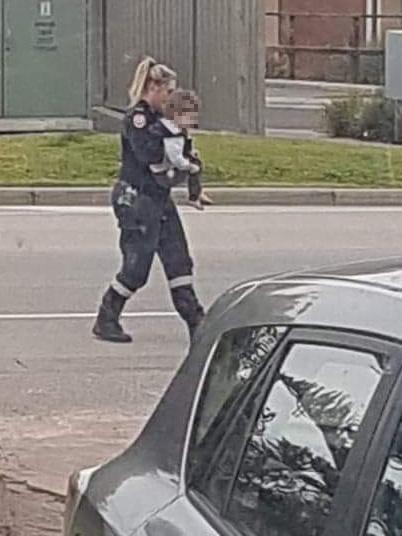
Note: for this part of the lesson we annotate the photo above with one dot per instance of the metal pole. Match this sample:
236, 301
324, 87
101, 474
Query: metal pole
194, 67
375, 22
2, 60
292, 44
397, 121
355, 53
105, 51
400, 10
280, 29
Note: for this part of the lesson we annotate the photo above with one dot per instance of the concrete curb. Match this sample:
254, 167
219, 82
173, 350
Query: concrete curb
45, 125
100, 197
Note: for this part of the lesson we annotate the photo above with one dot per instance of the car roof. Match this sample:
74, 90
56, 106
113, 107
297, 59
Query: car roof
384, 273
364, 296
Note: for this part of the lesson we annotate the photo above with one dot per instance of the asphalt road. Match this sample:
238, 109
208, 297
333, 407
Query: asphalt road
70, 401
54, 265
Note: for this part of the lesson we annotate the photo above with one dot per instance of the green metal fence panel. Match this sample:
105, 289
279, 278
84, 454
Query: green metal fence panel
45, 58
135, 28
1, 57
230, 64
216, 46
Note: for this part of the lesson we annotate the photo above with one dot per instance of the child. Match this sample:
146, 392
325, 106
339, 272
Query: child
197, 197
180, 161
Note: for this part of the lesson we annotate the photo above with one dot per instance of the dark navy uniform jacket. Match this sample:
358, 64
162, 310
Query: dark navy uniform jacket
141, 146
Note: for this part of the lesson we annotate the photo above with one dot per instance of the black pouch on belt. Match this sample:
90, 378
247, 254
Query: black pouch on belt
134, 211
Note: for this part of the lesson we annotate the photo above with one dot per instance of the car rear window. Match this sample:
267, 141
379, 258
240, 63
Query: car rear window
239, 356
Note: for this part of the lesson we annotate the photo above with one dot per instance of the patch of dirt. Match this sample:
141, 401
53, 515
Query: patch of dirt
24, 511
37, 455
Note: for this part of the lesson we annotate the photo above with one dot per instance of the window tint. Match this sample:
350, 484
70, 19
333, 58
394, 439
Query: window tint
300, 442
386, 514
234, 367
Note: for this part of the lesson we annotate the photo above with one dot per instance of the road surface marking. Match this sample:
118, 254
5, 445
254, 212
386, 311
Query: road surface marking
80, 316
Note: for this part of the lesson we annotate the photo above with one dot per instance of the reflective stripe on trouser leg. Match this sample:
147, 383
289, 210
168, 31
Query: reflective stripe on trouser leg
123, 291
182, 281
178, 265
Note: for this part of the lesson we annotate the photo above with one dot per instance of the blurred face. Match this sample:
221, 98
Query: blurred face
187, 119
157, 95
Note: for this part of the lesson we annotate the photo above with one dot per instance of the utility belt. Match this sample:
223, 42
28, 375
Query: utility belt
135, 210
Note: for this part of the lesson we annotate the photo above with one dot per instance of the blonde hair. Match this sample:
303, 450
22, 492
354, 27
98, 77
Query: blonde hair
181, 101
149, 71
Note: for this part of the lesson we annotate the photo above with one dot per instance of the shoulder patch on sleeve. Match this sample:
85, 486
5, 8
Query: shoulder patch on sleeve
139, 120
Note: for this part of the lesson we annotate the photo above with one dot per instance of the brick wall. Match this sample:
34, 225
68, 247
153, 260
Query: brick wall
325, 32
321, 31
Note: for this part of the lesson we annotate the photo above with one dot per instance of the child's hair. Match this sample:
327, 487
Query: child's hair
149, 71
181, 101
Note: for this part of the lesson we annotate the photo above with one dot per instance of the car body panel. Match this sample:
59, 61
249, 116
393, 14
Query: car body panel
180, 518
125, 503
140, 490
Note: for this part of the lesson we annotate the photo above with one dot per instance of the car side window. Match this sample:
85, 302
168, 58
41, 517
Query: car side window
386, 514
299, 444
234, 367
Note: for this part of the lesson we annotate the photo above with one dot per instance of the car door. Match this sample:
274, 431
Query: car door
282, 428
377, 505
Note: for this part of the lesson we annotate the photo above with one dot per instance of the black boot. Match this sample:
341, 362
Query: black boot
188, 307
107, 326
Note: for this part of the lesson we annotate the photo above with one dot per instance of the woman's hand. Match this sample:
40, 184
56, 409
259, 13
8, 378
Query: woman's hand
194, 169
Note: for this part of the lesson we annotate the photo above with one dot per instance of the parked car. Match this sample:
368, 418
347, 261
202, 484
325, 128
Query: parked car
284, 420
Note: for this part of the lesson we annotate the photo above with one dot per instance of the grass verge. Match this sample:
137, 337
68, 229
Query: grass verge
93, 160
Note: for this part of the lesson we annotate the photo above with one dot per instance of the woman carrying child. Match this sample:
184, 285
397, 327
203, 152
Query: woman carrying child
148, 218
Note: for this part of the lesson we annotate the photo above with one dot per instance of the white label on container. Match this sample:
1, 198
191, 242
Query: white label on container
45, 8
